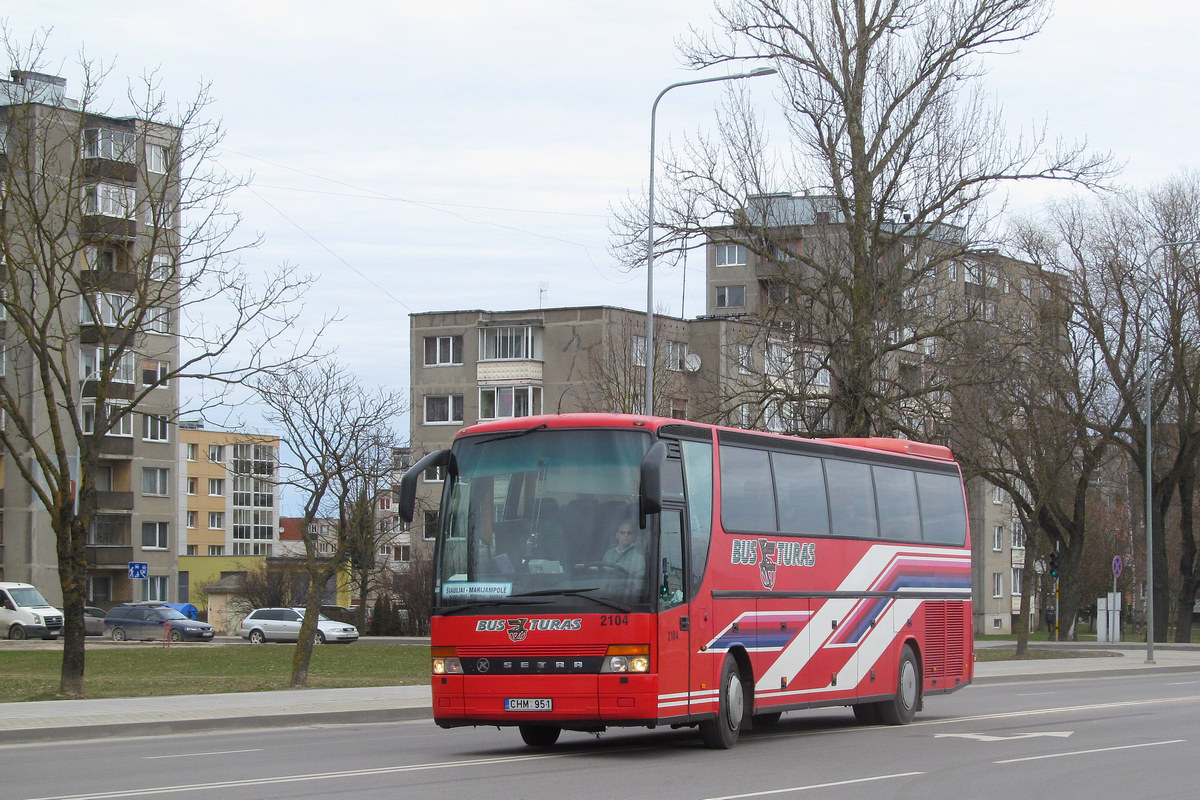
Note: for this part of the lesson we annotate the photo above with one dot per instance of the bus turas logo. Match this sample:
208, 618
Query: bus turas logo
520, 627
770, 556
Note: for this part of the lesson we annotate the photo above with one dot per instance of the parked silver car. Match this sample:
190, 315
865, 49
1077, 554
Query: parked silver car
283, 625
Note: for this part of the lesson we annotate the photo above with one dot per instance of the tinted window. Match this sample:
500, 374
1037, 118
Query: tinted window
271, 614
851, 499
290, 616
697, 468
747, 495
943, 517
800, 486
896, 493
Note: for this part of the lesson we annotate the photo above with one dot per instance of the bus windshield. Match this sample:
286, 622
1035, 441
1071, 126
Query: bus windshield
544, 516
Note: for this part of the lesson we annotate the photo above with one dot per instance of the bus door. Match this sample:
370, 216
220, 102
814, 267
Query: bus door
674, 624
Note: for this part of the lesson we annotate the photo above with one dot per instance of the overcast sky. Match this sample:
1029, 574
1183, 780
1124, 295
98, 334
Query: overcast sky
424, 156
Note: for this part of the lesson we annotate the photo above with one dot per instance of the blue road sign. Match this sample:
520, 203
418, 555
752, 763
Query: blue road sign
138, 570
1118, 565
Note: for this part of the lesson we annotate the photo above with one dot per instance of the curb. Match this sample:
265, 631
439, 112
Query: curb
168, 727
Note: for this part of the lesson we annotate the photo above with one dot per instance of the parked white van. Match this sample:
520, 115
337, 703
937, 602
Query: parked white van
24, 613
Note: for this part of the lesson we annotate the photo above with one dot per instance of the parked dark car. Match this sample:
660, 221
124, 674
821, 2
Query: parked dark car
93, 621
153, 621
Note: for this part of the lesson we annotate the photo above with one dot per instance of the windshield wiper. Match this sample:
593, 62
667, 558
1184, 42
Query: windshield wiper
577, 593
511, 435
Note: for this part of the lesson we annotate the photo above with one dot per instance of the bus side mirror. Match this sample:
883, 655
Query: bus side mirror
653, 462
408, 483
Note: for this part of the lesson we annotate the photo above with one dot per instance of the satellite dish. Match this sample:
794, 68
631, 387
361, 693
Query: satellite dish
691, 362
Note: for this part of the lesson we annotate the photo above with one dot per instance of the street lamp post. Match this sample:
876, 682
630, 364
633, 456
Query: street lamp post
1150, 462
649, 354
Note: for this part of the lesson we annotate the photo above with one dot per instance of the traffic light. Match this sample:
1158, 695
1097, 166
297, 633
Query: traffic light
1054, 565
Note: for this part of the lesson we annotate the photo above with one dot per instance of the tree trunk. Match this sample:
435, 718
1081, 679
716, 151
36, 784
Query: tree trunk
72, 570
1187, 558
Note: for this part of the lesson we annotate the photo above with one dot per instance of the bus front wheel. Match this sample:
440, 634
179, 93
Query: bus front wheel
901, 708
539, 735
722, 733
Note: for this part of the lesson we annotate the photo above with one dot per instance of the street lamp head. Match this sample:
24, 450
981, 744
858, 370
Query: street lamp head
754, 73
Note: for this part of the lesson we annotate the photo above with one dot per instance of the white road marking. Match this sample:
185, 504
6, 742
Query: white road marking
849, 782
213, 753
1089, 752
990, 737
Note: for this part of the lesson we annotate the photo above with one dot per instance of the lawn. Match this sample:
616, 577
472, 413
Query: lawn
141, 670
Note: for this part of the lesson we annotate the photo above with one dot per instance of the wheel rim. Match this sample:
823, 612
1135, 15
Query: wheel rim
735, 703
118, 635
176, 636
908, 684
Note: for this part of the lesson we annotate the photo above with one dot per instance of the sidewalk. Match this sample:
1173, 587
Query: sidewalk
60, 720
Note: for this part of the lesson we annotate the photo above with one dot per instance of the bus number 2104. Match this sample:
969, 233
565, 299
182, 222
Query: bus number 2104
613, 619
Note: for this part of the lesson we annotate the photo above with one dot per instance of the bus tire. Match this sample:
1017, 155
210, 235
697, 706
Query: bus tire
722, 733
901, 708
539, 735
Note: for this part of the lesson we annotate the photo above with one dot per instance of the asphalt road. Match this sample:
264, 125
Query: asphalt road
1100, 737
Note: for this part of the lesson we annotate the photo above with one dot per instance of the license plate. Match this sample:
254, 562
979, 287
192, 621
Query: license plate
528, 704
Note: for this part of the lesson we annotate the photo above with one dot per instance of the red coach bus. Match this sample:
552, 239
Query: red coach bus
596, 570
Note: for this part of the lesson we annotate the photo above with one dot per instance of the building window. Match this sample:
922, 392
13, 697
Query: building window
191, 519
160, 322
429, 532
502, 402
216, 453
192, 453
156, 159
402, 553
731, 255
99, 588
997, 495
435, 474
155, 428
109, 200
676, 355
638, 351
443, 350
103, 309
745, 359
216, 520
731, 296
443, 408
122, 425
156, 588
815, 370
191, 485
1018, 575
997, 584
111, 144
216, 487
510, 343
216, 549
100, 259
778, 359
997, 538
154, 373
154, 535
1018, 536
154, 481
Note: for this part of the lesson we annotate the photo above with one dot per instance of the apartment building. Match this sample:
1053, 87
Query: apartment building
87, 247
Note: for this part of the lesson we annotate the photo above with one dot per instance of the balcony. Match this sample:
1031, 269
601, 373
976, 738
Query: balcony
109, 556
113, 501
96, 226
514, 371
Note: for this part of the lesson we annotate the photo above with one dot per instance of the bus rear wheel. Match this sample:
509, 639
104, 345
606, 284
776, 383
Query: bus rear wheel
901, 708
722, 733
539, 735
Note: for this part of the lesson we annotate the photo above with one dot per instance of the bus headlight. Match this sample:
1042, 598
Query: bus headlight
445, 661
627, 658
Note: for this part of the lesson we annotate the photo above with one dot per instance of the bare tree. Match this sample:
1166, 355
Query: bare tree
117, 245
898, 153
340, 439
616, 370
